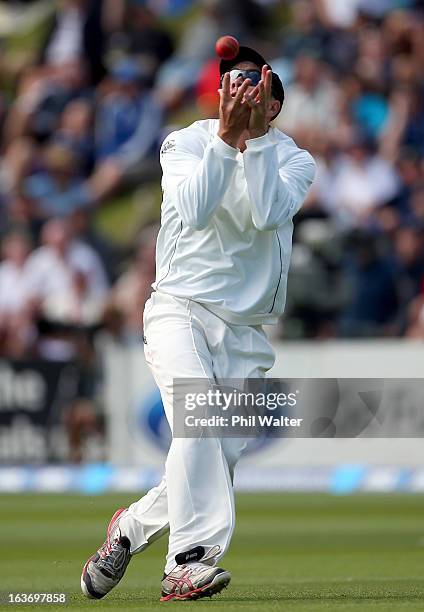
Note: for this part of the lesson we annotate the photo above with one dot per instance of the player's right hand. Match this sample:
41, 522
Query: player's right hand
234, 112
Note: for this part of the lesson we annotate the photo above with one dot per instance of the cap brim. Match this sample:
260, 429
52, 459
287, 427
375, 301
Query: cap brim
245, 54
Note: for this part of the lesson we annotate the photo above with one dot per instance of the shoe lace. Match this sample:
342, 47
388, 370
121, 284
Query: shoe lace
184, 579
110, 551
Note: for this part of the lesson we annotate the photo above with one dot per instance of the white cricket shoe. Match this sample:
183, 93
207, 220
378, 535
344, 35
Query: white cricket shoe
193, 581
106, 567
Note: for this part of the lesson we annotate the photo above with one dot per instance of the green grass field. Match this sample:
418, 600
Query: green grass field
290, 552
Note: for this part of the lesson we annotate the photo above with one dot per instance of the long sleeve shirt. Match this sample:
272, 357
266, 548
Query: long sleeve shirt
226, 222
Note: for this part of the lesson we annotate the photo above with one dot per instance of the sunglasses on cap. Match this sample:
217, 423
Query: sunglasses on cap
253, 75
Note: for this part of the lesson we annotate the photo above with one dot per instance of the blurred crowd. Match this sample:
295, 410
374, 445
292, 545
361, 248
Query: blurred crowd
355, 99
84, 113
83, 117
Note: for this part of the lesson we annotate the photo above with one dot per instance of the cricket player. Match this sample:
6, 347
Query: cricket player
230, 190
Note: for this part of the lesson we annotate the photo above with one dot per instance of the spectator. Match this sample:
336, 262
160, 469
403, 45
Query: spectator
76, 131
357, 183
373, 303
71, 60
66, 277
311, 100
58, 188
144, 38
128, 123
21, 211
408, 171
304, 33
75, 34
404, 127
16, 330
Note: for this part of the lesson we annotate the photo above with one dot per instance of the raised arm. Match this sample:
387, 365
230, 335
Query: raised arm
276, 192
196, 178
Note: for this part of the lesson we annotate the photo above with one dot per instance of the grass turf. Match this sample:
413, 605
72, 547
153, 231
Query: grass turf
289, 552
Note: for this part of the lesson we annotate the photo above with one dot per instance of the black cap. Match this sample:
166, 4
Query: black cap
246, 54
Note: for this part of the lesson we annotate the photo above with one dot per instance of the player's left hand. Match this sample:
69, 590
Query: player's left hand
259, 100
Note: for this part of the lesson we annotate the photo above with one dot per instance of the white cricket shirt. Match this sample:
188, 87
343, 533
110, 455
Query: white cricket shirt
226, 222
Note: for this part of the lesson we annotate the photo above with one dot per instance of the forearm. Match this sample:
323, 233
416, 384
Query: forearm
276, 193
268, 200
199, 195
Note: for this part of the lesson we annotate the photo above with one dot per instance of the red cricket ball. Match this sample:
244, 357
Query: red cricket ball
227, 47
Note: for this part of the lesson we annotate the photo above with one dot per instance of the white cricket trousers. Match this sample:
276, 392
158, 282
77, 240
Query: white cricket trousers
195, 499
